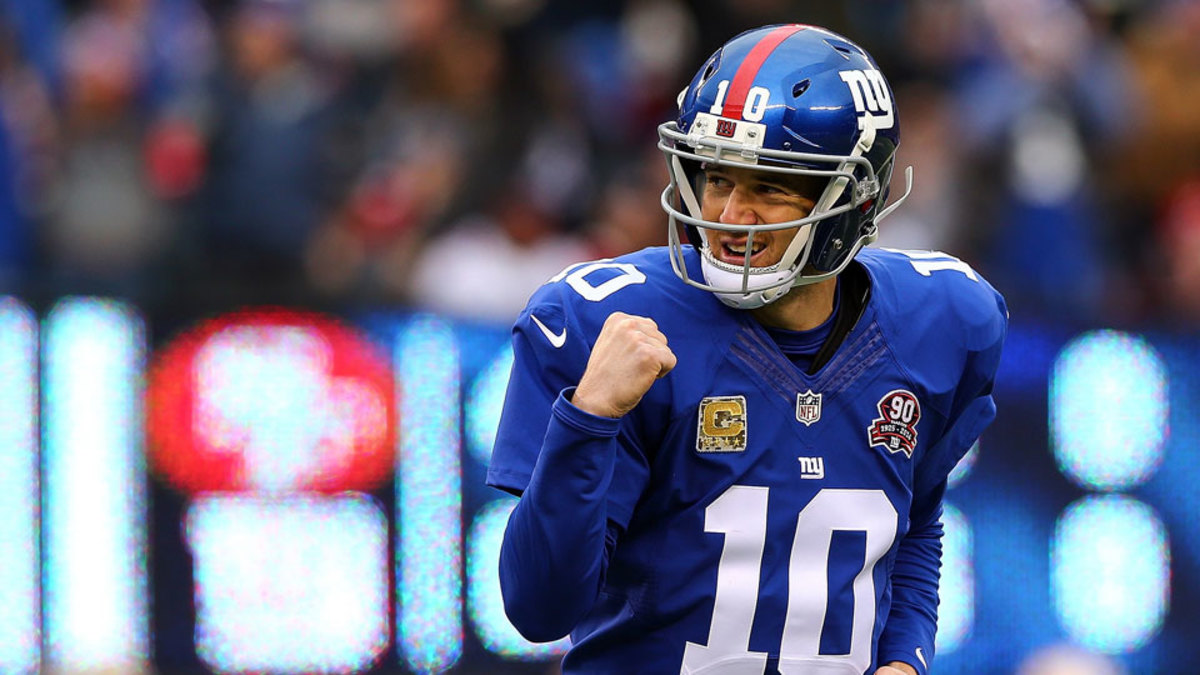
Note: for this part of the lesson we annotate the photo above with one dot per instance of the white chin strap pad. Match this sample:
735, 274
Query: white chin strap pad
730, 284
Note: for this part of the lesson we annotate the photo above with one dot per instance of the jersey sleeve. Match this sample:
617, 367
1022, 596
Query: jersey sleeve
552, 341
540, 371
578, 475
972, 407
911, 628
556, 546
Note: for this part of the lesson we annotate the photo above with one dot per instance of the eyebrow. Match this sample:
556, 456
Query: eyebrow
805, 187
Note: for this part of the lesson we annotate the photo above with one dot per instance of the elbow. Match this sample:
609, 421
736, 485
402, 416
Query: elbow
539, 631
549, 580
537, 620
540, 609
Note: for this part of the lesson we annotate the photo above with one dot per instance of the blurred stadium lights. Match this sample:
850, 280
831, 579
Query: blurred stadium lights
1073, 536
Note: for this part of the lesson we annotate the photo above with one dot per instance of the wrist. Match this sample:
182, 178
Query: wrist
589, 406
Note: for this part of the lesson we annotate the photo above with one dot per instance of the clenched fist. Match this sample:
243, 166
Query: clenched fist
629, 355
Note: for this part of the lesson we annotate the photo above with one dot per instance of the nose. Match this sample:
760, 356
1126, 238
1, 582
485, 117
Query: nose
738, 208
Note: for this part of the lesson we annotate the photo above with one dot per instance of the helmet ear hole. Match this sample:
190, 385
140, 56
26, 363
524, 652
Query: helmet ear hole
800, 87
710, 69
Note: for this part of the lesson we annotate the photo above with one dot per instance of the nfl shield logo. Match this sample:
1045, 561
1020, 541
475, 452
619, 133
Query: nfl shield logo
808, 407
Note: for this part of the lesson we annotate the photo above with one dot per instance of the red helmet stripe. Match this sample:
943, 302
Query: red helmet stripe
739, 89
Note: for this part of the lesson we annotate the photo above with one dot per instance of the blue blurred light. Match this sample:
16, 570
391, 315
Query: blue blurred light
484, 603
20, 616
1108, 410
1110, 573
96, 616
484, 402
289, 584
428, 497
1029, 352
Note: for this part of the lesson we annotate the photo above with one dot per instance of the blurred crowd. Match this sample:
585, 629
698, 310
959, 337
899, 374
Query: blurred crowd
451, 155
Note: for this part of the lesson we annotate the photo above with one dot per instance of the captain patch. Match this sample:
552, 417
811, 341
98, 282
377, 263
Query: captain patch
721, 426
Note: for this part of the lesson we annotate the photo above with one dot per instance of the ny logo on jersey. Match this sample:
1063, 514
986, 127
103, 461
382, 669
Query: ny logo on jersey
808, 407
812, 467
872, 99
722, 424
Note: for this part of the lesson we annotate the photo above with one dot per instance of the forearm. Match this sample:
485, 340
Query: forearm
552, 559
908, 636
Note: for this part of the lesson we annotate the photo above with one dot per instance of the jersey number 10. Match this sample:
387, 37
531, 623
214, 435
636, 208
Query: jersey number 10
740, 513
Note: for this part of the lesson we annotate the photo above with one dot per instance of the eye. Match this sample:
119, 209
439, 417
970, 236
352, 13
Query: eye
716, 181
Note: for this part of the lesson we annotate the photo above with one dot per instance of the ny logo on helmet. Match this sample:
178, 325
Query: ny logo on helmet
872, 99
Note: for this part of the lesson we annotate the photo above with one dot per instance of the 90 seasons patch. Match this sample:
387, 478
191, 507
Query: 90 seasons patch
722, 424
896, 427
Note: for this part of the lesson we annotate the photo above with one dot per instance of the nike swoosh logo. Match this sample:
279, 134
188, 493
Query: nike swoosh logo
556, 339
921, 656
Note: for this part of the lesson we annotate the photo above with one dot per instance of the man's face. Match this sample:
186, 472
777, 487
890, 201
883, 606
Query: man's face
745, 196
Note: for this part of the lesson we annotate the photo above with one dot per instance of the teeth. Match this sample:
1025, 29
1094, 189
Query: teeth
740, 249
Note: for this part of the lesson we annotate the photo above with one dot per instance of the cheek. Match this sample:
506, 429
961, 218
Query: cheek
783, 238
711, 208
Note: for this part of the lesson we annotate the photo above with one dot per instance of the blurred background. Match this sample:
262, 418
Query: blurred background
258, 261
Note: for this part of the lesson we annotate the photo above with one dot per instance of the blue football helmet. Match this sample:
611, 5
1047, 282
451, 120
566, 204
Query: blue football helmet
791, 99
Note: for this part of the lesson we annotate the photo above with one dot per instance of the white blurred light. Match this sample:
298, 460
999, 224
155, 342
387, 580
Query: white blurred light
268, 393
20, 616
95, 509
289, 584
484, 603
484, 403
1108, 410
1110, 573
428, 498
956, 611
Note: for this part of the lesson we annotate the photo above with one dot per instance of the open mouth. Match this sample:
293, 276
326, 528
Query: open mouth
734, 252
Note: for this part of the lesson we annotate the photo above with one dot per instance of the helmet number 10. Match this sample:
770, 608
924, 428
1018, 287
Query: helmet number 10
756, 102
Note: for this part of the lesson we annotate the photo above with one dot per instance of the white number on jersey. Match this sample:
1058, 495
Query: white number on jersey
741, 514
577, 278
928, 262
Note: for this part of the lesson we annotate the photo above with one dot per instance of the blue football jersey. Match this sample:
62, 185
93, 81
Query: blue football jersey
760, 508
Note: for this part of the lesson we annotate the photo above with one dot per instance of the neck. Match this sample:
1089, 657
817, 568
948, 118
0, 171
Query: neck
802, 308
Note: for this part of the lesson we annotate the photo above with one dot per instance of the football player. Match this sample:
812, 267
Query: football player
731, 451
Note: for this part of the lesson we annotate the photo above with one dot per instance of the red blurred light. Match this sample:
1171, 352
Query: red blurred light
271, 400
